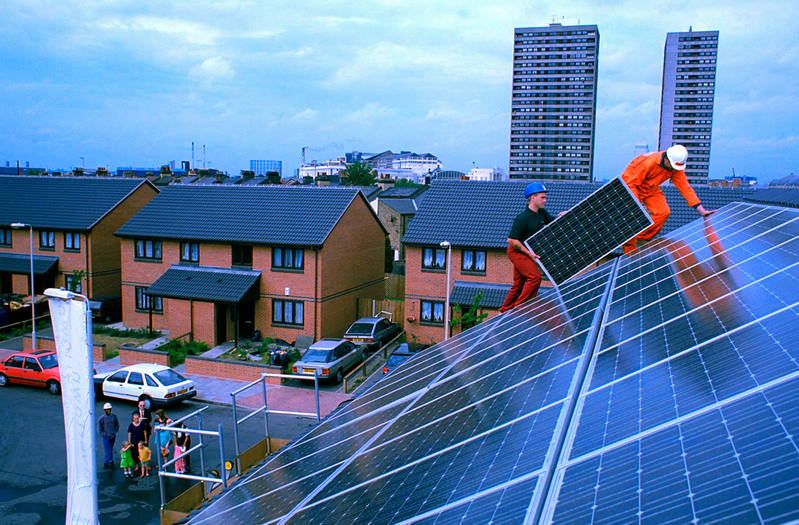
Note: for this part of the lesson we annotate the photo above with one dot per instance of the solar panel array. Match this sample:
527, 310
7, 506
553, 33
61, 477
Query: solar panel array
592, 229
658, 388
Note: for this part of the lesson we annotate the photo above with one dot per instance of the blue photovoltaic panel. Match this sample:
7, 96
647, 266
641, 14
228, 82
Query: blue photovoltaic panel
659, 388
592, 229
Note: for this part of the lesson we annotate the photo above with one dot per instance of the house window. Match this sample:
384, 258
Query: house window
287, 258
434, 259
473, 261
46, 240
432, 313
287, 312
5, 237
148, 250
72, 242
241, 255
190, 252
72, 283
143, 301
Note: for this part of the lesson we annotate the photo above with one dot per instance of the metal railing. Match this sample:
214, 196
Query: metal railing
163, 473
363, 367
266, 411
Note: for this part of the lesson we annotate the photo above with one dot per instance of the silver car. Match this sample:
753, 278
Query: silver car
372, 332
329, 358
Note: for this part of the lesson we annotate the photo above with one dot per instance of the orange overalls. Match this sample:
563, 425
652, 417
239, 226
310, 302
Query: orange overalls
644, 176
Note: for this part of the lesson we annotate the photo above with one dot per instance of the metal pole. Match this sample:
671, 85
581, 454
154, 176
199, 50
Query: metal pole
202, 448
235, 426
266, 416
446, 305
160, 468
33, 295
316, 387
222, 456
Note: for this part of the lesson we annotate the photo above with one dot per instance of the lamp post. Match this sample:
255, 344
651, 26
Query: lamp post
16, 226
448, 246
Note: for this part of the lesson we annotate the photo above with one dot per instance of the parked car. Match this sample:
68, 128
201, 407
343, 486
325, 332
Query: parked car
36, 368
106, 309
330, 358
399, 356
372, 332
148, 382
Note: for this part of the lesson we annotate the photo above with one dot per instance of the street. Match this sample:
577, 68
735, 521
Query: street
33, 470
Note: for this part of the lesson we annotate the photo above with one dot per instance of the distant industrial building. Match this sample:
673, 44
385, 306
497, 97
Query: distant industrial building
553, 105
641, 148
686, 104
489, 174
262, 167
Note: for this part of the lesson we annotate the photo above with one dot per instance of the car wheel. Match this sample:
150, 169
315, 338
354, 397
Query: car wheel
339, 376
107, 319
148, 401
53, 387
3, 380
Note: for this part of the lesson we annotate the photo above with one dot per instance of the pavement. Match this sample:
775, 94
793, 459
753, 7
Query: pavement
215, 390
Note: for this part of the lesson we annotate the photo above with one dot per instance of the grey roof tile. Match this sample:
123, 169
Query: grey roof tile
20, 263
285, 215
464, 292
221, 285
776, 197
62, 203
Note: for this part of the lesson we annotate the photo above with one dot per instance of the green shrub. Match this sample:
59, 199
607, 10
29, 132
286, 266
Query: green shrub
179, 350
136, 333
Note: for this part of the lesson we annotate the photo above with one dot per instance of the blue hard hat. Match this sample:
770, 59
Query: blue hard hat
533, 188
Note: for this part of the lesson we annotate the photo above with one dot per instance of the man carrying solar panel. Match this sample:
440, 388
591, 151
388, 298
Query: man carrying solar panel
644, 176
526, 276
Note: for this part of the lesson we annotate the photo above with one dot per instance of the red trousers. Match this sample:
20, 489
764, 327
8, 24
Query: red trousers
658, 210
526, 280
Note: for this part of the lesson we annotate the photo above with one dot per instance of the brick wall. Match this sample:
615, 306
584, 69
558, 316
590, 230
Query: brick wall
48, 343
228, 369
133, 356
138, 273
425, 285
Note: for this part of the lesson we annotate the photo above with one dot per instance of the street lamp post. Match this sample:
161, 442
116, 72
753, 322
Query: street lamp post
448, 246
16, 226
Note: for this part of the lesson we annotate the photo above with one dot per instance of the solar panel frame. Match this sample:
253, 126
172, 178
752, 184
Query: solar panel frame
591, 230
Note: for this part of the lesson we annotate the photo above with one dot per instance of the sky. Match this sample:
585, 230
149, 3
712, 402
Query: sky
134, 83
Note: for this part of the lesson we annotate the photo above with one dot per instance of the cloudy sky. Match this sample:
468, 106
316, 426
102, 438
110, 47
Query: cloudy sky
119, 83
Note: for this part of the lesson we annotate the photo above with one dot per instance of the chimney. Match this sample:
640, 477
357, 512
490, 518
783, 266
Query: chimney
323, 180
307, 179
247, 174
273, 177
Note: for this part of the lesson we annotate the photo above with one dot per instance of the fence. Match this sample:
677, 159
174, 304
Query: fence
363, 368
371, 307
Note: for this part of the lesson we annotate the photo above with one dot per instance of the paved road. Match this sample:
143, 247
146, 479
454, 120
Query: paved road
33, 469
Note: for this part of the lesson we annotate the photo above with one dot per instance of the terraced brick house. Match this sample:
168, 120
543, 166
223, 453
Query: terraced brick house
219, 262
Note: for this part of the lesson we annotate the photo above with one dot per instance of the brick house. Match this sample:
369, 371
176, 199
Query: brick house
74, 220
475, 218
221, 261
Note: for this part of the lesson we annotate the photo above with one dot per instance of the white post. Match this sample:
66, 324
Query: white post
448, 246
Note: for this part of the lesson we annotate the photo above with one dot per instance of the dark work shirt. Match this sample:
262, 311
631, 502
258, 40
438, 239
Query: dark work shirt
529, 222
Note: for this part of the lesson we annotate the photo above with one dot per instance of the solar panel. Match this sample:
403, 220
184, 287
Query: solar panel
657, 388
592, 229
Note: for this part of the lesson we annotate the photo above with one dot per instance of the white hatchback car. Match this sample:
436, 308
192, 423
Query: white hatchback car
148, 382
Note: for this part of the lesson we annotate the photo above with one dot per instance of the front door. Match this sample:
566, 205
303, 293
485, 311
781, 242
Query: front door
246, 319
221, 324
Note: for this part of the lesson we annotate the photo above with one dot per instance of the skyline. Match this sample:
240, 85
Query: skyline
123, 83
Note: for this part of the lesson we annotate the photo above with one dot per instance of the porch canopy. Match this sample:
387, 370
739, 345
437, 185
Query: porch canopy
21, 263
213, 285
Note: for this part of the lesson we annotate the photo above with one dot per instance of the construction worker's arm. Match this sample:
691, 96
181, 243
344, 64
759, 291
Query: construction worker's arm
679, 179
520, 247
703, 212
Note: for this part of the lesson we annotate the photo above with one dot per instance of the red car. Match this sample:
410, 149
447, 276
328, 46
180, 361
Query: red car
37, 368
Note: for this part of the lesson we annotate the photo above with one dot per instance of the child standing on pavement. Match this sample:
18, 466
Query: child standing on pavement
127, 459
144, 457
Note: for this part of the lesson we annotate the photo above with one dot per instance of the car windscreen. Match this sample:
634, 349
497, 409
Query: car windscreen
95, 305
360, 329
49, 361
396, 360
169, 377
317, 356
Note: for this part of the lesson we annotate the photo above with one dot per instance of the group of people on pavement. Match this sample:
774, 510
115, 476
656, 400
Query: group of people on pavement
136, 452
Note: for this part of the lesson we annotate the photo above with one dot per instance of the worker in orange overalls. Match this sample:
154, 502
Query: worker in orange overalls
644, 176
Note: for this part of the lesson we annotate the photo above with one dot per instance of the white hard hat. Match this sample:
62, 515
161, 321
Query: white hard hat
107, 406
677, 156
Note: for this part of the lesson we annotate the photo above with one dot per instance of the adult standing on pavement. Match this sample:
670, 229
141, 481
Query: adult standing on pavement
146, 417
526, 276
164, 437
137, 431
644, 176
108, 426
